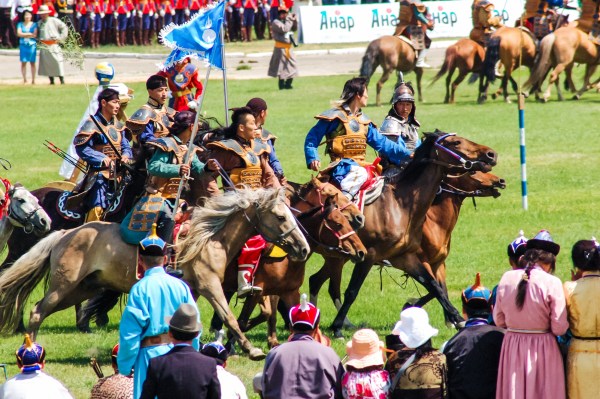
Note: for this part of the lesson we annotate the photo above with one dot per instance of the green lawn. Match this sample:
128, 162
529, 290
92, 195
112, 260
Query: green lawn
564, 194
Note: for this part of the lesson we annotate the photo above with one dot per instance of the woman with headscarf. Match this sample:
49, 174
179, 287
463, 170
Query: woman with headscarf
583, 359
530, 304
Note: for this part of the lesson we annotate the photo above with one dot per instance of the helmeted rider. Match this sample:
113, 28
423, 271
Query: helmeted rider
413, 23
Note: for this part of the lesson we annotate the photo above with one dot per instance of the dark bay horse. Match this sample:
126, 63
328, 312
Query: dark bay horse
467, 56
561, 50
84, 260
440, 221
394, 222
393, 54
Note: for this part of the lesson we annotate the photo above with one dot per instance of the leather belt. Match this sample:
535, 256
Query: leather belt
49, 42
182, 93
587, 338
515, 330
155, 340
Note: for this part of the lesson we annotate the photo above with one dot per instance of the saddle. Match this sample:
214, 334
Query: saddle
407, 41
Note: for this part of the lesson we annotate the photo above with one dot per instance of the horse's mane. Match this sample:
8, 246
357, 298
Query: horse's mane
210, 218
416, 165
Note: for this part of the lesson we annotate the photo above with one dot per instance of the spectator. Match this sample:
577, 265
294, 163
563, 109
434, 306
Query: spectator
231, 386
117, 386
365, 377
283, 63
473, 353
32, 382
583, 359
531, 305
143, 329
302, 368
182, 373
27, 32
7, 33
51, 32
419, 370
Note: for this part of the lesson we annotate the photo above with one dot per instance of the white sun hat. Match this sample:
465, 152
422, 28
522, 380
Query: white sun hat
414, 328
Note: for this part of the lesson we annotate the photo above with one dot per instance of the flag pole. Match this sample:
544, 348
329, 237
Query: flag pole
190, 150
226, 99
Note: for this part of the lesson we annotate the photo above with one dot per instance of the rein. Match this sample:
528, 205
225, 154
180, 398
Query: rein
467, 165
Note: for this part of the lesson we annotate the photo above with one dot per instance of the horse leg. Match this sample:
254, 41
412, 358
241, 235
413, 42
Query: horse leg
359, 274
483, 88
210, 288
558, 69
419, 73
448, 81
504, 86
384, 78
316, 281
335, 284
244, 320
272, 301
514, 85
216, 324
461, 76
589, 71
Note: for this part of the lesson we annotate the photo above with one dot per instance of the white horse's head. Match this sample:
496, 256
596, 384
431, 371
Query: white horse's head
24, 210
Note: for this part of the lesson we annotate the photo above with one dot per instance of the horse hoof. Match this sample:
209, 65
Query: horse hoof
84, 329
337, 333
349, 325
576, 97
507, 100
102, 320
494, 96
256, 354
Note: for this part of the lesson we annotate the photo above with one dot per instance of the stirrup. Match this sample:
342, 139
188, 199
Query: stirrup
248, 289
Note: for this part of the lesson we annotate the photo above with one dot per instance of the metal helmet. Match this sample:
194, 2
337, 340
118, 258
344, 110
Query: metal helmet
105, 72
403, 93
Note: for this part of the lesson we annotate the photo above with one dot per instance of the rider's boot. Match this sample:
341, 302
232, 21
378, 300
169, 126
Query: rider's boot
245, 287
421, 59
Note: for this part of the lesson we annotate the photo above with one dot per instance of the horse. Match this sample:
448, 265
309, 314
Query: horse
394, 222
84, 260
467, 56
20, 209
391, 53
440, 221
561, 50
514, 47
331, 233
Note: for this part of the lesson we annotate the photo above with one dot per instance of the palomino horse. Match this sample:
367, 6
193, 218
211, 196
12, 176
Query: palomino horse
92, 257
394, 222
514, 47
440, 221
19, 208
392, 54
561, 50
465, 55
330, 233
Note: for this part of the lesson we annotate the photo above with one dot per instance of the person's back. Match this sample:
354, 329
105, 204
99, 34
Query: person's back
301, 368
33, 386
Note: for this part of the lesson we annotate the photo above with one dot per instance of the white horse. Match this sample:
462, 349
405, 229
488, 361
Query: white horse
20, 208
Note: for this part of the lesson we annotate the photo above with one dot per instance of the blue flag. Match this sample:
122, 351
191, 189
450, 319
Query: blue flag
200, 36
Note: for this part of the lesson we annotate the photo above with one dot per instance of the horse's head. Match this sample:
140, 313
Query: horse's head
460, 154
25, 211
328, 191
336, 232
474, 184
277, 225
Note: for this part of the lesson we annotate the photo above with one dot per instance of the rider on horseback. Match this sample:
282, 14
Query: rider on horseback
348, 131
166, 168
413, 24
245, 159
540, 17
483, 21
102, 144
400, 123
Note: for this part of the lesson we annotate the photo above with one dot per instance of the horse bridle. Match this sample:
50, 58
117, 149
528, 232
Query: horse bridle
24, 222
280, 241
463, 163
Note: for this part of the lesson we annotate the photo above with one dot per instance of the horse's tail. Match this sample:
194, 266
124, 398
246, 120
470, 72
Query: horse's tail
447, 65
19, 280
369, 60
492, 55
543, 62
99, 305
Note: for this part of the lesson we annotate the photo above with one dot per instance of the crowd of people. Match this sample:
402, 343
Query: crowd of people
529, 337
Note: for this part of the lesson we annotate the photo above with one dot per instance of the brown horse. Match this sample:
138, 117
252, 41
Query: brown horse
514, 47
440, 221
84, 260
467, 56
333, 235
394, 222
561, 50
393, 54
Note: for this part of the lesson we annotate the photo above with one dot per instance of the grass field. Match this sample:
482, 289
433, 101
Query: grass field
564, 195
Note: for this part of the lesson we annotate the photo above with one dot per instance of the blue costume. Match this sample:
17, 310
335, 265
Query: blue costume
269, 138
94, 147
143, 329
347, 136
151, 121
27, 45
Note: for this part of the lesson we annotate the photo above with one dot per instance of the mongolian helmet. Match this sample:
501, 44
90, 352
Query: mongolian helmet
105, 72
30, 356
476, 296
403, 92
517, 247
